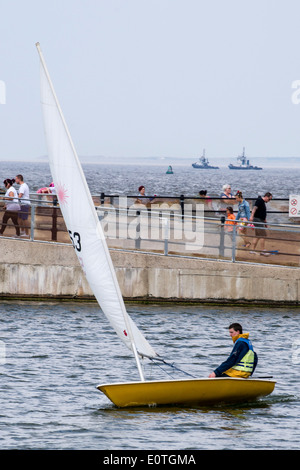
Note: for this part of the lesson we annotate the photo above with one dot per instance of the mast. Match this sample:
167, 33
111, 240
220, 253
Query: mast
96, 220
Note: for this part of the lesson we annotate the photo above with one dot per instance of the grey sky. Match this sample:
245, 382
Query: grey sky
137, 78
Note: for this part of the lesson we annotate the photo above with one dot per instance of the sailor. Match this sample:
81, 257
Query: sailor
242, 360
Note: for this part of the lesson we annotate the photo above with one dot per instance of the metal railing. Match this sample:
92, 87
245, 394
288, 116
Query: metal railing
216, 240
168, 232
278, 208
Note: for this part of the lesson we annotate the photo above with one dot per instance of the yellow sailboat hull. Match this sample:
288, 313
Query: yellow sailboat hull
190, 391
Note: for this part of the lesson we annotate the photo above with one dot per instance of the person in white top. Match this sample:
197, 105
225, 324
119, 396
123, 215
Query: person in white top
24, 199
12, 206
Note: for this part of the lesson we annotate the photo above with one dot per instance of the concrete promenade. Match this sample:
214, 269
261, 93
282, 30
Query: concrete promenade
37, 270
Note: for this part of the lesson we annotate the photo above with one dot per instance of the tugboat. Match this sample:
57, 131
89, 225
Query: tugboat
245, 164
169, 170
203, 163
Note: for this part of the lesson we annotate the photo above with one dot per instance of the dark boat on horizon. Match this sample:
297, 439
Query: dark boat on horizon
245, 164
203, 163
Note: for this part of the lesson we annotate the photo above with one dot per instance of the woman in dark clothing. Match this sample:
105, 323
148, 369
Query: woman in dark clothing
12, 206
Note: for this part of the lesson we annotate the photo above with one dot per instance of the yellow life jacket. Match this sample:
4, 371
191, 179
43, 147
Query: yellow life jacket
245, 366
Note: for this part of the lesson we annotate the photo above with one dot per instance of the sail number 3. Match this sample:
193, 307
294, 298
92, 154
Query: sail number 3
75, 239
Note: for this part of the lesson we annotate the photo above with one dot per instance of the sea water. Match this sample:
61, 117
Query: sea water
57, 353
124, 179
53, 355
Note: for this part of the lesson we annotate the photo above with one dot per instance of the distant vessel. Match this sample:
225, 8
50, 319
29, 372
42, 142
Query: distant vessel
244, 165
204, 163
169, 170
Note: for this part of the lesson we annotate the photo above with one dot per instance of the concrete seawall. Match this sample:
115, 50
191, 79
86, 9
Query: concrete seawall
51, 271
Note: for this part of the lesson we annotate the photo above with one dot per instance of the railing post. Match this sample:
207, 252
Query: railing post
138, 232
166, 242
233, 244
222, 236
32, 222
182, 205
54, 224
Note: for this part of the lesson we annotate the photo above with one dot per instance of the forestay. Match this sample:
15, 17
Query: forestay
82, 221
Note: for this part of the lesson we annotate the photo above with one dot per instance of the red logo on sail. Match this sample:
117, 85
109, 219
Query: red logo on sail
125, 332
62, 194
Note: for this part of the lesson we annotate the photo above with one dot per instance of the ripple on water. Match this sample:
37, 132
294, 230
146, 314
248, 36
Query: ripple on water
58, 353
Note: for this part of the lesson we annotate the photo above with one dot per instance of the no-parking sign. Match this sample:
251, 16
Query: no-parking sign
294, 205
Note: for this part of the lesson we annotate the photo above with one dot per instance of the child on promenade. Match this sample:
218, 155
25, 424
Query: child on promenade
230, 219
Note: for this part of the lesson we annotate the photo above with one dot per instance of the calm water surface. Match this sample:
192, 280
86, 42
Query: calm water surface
57, 353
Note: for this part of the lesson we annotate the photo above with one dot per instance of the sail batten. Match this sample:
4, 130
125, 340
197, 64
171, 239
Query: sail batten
81, 219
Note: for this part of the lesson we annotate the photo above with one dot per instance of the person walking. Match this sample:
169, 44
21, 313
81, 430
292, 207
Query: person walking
243, 215
242, 361
144, 199
12, 206
259, 219
226, 192
24, 199
230, 220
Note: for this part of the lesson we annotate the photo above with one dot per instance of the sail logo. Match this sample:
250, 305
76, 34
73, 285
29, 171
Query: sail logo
62, 194
296, 94
2, 92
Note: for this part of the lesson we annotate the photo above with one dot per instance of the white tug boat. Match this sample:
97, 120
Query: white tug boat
244, 165
203, 163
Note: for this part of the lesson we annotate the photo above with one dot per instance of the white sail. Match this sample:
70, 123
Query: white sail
82, 221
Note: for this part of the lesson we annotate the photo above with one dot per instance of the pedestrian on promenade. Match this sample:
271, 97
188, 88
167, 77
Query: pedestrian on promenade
144, 199
243, 215
259, 219
51, 191
242, 361
47, 190
24, 199
203, 195
12, 206
230, 219
226, 194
